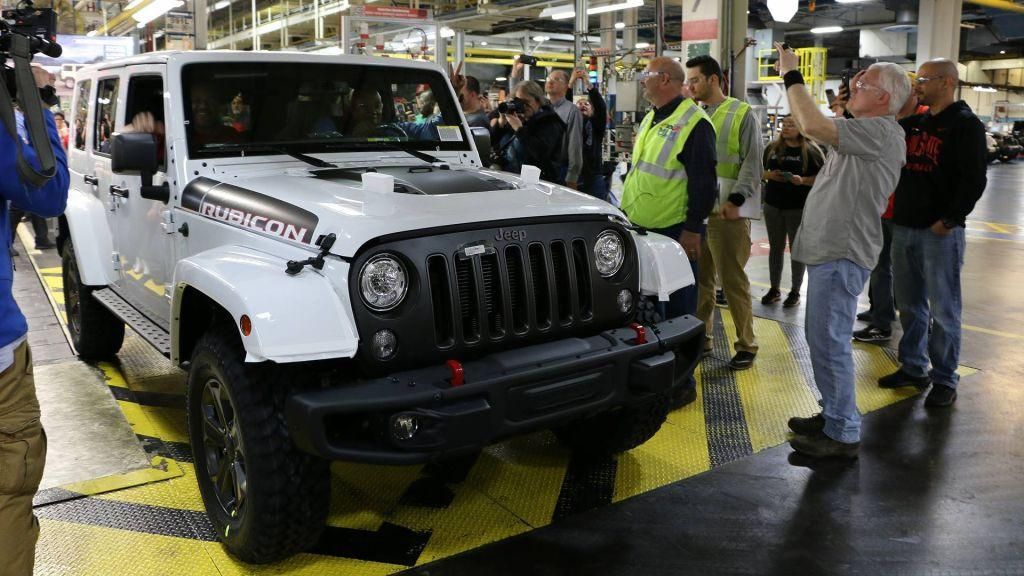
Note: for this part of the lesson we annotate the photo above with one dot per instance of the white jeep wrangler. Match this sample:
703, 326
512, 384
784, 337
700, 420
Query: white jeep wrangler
342, 279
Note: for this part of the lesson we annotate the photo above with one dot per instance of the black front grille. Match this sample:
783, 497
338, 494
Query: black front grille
506, 293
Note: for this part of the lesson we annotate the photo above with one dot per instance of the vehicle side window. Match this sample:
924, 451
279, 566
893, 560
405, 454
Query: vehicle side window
106, 107
81, 113
144, 109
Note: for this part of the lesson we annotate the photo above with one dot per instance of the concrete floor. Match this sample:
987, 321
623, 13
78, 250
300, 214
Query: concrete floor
934, 492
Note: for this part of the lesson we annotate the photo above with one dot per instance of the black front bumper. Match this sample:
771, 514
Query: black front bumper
504, 394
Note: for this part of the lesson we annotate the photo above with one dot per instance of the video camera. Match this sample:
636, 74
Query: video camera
25, 31
512, 106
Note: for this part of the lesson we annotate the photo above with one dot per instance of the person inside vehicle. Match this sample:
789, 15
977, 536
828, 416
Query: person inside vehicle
205, 122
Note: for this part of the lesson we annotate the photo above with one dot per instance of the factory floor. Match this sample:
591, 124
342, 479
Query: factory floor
716, 491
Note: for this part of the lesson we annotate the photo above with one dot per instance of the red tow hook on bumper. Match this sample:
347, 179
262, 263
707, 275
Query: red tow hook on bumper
641, 332
458, 374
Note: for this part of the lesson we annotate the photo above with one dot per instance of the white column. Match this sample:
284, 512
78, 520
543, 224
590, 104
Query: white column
460, 48
199, 16
938, 33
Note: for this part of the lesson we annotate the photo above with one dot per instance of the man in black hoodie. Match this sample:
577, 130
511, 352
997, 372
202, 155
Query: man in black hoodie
942, 180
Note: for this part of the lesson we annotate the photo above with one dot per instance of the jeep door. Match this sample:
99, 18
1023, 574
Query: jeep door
143, 239
95, 140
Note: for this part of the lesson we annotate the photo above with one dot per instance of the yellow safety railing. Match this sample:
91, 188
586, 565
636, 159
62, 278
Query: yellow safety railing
812, 67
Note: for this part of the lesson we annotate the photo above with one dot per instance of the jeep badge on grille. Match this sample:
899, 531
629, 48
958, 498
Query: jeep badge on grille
503, 234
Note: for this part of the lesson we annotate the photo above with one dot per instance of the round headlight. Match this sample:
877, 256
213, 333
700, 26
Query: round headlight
383, 282
609, 253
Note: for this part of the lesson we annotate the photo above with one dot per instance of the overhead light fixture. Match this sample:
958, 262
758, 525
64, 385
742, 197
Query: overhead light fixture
642, 45
984, 89
968, 25
222, 4
569, 11
154, 10
620, 25
826, 30
541, 38
483, 43
447, 32
783, 10
1002, 51
500, 79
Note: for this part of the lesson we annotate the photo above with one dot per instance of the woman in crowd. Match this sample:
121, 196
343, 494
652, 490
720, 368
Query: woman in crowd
791, 163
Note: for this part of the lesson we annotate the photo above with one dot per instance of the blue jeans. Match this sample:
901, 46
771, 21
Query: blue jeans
596, 185
927, 268
832, 291
883, 307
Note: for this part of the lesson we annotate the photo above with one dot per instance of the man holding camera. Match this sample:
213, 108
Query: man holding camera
672, 185
22, 440
529, 132
840, 236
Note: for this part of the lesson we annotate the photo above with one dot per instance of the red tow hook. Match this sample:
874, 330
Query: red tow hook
458, 374
641, 332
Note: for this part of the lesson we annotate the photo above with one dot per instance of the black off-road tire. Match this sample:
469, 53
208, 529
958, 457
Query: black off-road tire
287, 494
95, 332
615, 431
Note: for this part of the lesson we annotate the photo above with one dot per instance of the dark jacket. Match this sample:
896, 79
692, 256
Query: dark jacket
786, 195
538, 143
945, 171
593, 137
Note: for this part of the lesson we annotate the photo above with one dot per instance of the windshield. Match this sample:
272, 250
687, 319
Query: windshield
254, 108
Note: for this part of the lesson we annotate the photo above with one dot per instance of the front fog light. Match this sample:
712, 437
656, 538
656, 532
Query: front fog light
384, 345
404, 426
609, 253
625, 300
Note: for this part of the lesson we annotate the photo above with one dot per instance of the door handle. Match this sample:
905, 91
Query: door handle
119, 191
90, 179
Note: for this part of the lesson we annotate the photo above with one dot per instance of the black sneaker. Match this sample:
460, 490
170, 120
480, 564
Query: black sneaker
742, 360
720, 297
940, 396
792, 300
899, 379
872, 334
808, 426
821, 446
45, 245
771, 297
864, 316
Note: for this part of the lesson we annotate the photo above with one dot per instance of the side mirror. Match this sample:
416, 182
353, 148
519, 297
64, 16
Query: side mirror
137, 152
482, 139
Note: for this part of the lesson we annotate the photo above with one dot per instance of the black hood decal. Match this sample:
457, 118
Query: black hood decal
248, 209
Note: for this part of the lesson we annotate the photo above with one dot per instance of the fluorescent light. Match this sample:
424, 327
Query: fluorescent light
483, 43
222, 4
447, 32
642, 45
783, 10
541, 38
569, 11
826, 30
500, 79
620, 25
1002, 51
133, 4
983, 89
154, 10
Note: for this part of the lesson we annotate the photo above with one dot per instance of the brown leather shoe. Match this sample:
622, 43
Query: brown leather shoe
821, 446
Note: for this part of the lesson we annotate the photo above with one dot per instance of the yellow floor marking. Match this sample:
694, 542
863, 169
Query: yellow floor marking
133, 274
181, 492
774, 389
112, 375
154, 287
998, 228
58, 297
298, 565
162, 469
365, 495
531, 465
54, 283
54, 271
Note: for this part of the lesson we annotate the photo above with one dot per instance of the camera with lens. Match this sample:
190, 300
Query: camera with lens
38, 26
847, 74
512, 106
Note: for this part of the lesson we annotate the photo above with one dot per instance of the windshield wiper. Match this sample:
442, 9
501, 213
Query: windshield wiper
403, 147
315, 162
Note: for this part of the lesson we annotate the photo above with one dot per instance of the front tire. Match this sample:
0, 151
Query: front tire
95, 332
265, 498
615, 431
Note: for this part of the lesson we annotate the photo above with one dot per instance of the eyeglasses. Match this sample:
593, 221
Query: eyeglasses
925, 79
862, 85
643, 76
694, 80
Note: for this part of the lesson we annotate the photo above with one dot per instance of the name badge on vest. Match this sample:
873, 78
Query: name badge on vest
669, 132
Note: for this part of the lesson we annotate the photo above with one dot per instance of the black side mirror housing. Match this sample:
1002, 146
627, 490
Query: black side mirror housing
482, 139
137, 152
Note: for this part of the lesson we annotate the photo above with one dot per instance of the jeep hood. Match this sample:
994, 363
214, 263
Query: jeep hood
301, 205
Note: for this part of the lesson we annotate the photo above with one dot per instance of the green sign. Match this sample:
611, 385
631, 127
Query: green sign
695, 49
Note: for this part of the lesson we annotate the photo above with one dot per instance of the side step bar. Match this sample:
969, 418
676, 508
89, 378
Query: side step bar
150, 331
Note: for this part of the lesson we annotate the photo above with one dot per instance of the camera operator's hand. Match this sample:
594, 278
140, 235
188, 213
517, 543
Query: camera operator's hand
513, 120
43, 77
581, 74
838, 106
788, 60
517, 70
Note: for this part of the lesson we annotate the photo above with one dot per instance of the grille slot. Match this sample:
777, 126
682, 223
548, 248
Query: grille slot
468, 308
441, 298
563, 282
494, 304
581, 264
539, 278
517, 289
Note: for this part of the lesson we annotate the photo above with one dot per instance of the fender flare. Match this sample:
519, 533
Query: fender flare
86, 219
664, 267
294, 318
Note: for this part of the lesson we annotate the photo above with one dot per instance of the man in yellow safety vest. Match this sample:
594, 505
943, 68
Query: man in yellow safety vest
671, 187
726, 246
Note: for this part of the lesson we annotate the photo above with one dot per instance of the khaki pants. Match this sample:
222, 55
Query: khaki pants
726, 248
22, 456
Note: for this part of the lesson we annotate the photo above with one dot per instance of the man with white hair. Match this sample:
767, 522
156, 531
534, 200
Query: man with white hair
943, 179
840, 236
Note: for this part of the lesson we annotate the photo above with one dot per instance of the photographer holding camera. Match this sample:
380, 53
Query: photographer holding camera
22, 440
529, 132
